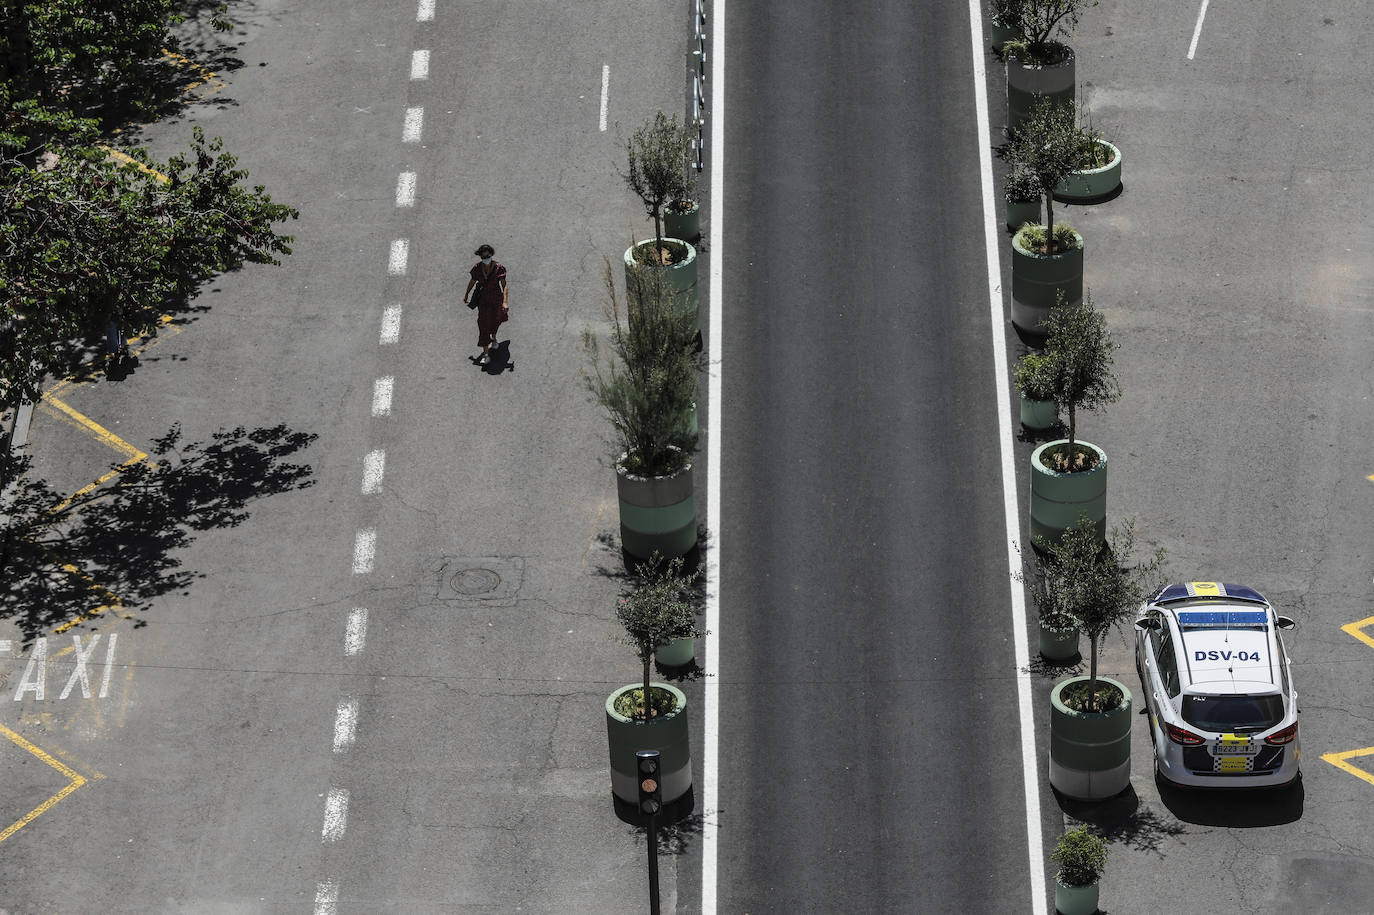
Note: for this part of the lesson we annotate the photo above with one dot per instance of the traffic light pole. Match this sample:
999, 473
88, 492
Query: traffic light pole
653, 864
650, 802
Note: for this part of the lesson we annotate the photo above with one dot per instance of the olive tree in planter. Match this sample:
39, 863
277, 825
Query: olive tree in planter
1081, 857
658, 153
1068, 477
646, 715
1038, 64
1034, 380
1046, 259
1100, 585
647, 386
1002, 25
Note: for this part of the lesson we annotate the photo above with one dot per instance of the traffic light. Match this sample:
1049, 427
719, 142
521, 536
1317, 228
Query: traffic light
650, 791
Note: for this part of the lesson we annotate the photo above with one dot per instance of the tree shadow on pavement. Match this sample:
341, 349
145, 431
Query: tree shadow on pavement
65, 560
1123, 820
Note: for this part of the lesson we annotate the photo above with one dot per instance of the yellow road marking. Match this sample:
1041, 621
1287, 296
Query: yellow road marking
205, 75
101, 434
76, 782
1339, 760
1354, 630
111, 599
130, 160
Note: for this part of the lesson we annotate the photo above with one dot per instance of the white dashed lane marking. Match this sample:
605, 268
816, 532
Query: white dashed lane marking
364, 551
326, 897
415, 125
397, 260
374, 466
335, 815
426, 11
419, 65
605, 93
381, 396
391, 325
356, 634
405, 189
345, 724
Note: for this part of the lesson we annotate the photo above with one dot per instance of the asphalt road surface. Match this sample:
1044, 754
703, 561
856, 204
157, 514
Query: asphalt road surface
355, 622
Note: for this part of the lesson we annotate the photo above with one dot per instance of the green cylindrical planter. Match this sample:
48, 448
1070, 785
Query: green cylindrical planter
677, 653
1059, 500
1075, 900
1090, 753
1037, 280
682, 276
683, 225
657, 514
667, 735
1018, 214
1038, 415
1092, 184
1024, 83
1058, 644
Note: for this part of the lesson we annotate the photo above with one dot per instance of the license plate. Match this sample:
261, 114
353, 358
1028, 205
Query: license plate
1230, 745
1233, 764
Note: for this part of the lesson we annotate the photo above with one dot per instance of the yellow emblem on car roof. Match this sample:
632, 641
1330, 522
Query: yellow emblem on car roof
1204, 589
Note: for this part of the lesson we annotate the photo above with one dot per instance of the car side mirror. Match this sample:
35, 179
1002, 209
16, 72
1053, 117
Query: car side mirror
1147, 625
1284, 622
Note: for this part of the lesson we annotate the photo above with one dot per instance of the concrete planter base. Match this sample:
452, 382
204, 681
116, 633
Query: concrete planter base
682, 276
1059, 500
686, 226
1038, 279
1025, 83
1058, 644
1075, 900
667, 734
1090, 753
1094, 184
1038, 415
657, 514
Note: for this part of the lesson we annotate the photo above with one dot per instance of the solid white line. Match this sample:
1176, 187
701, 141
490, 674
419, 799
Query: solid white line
356, 634
1197, 29
415, 125
374, 466
426, 11
364, 551
326, 897
381, 395
419, 65
710, 766
345, 724
1030, 780
391, 324
405, 189
605, 92
397, 258
335, 815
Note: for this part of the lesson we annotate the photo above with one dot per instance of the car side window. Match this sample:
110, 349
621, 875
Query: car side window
1157, 632
1168, 670
1283, 662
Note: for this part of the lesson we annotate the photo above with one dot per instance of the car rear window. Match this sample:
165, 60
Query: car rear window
1233, 713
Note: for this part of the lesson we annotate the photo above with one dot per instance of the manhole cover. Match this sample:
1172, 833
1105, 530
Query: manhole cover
471, 582
492, 580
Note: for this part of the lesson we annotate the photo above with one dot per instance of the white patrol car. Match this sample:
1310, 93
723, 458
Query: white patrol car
1223, 710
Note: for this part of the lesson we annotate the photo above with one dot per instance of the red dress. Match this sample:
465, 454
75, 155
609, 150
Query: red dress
490, 294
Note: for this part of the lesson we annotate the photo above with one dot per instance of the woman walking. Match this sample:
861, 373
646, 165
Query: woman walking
491, 299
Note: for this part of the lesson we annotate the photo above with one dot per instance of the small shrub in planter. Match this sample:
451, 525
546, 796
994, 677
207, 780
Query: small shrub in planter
1040, 23
659, 610
1050, 146
648, 385
1099, 585
1078, 368
658, 153
1081, 857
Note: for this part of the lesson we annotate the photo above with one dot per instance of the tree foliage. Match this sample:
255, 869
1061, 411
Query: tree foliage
1039, 22
1078, 360
658, 154
1048, 147
648, 384
1096, 585
658, 611
85, 239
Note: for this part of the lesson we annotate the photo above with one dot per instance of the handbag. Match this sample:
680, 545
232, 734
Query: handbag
476, 293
